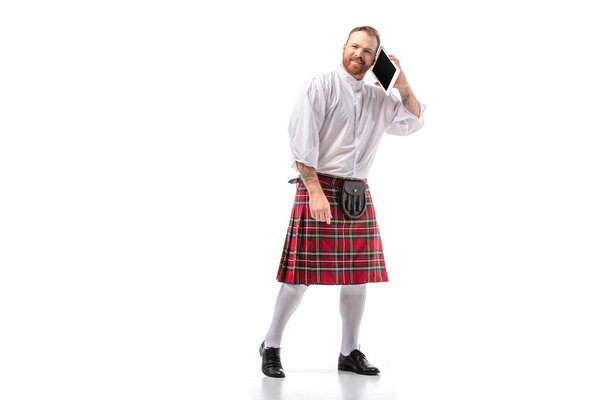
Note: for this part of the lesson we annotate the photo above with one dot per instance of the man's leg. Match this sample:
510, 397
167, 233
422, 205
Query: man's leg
287, 301
352, 306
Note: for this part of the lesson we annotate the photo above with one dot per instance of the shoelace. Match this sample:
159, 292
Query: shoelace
362, 359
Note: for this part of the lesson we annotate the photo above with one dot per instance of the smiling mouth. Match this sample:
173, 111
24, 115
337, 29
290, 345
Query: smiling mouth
357, 62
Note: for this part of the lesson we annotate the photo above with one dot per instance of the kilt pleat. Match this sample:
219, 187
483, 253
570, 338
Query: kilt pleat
345, 252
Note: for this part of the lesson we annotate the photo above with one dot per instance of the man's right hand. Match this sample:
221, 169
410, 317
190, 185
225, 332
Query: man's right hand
318, 203
319, 207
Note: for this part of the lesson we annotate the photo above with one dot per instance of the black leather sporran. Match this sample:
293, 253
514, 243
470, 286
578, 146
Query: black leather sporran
353, 198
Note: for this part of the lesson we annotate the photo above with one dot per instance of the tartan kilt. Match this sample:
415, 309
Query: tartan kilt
345, 252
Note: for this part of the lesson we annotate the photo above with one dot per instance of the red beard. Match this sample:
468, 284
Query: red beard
355, 69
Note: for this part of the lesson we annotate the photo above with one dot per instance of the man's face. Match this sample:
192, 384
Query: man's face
359, 54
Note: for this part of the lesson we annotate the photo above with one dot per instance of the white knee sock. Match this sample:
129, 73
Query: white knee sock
352, 305
287, 301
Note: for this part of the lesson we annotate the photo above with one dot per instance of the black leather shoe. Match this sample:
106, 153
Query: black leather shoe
356, 362
271, 363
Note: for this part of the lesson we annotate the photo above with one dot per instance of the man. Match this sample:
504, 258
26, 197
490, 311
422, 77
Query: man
335, 129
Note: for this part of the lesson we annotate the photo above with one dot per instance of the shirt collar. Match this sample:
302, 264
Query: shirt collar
352, 81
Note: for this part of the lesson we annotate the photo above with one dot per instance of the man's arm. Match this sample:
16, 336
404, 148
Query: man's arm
310, 179
318, 203
409, 100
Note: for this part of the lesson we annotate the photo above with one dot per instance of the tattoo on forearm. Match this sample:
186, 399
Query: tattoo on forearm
406, 96
307, 174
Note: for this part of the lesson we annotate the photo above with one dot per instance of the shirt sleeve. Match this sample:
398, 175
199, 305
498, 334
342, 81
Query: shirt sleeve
400, 121
305, 123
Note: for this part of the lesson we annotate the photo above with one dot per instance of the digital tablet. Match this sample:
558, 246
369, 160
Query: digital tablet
385, 71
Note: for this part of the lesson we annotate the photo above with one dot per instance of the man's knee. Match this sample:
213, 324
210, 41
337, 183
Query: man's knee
297, 290
354, 290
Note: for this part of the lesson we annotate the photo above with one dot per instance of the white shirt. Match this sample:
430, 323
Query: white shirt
338, 121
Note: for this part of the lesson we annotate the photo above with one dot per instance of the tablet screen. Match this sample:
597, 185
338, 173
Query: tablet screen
384, 69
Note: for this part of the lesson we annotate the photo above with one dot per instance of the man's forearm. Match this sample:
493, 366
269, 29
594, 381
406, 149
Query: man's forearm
310, 179
410, 101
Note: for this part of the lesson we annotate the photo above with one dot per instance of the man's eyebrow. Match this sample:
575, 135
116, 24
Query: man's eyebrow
366, 48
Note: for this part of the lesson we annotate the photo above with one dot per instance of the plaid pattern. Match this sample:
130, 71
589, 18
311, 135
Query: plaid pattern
345, 252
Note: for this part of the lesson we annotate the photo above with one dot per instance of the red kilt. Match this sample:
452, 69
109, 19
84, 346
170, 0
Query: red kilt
345, 252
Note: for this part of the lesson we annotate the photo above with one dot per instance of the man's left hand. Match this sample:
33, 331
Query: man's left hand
401, 82
408, 98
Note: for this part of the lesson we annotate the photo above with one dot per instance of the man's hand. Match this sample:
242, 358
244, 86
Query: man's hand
408, 98
319, 207
401, 82
318, 203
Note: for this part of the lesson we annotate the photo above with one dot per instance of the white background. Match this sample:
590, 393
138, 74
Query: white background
144, 202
